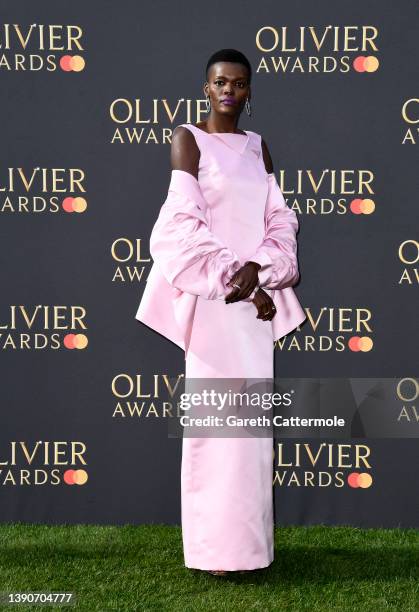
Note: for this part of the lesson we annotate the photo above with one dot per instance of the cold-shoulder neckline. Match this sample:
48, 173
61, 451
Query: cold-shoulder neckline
240, 145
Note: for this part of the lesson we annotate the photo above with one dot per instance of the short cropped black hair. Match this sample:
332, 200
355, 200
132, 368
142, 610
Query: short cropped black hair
229, 55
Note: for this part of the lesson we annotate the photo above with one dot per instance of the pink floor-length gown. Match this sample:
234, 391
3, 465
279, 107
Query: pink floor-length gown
207, 229
227, 495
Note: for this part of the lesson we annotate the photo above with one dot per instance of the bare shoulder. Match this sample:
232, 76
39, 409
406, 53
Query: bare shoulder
184, 152
267, 157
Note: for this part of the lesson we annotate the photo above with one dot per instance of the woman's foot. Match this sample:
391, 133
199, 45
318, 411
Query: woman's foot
217, 572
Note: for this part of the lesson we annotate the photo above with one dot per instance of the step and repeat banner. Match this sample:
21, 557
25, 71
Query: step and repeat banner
90, 95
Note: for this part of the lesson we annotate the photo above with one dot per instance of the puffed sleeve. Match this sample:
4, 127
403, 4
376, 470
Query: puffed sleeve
189, 255
277, 254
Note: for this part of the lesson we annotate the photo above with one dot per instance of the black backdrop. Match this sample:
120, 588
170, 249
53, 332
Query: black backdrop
344, 114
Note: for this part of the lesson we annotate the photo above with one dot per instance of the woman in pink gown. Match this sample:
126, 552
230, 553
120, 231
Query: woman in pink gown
225, 260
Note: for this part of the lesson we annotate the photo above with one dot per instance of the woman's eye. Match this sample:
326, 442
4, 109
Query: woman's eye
220, 82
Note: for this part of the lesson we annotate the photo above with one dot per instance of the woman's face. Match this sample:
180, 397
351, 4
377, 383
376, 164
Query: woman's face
228, 87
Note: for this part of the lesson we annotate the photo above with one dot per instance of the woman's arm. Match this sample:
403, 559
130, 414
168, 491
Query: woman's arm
277, 254
188, 254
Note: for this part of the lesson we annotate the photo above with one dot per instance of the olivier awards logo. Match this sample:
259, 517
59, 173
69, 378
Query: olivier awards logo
144, 121
329, 191
130, 265
410, 116
42, 191
409, 256
322, 465
407, 392
43, 327
317, 49
37, 47
334, 329
43, 463
153, 396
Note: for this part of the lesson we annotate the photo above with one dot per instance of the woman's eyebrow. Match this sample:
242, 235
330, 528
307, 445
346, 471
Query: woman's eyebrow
221, 76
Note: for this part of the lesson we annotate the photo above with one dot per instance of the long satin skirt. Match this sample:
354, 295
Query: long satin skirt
226, 483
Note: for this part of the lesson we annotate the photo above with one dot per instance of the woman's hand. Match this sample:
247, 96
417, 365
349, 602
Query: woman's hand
265, 305
247, 278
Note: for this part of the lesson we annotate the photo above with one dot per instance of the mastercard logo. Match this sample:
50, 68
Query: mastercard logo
78, 205
75, 341
72, 63
360, 343
362, 207
359, 481
72, 477
364, 63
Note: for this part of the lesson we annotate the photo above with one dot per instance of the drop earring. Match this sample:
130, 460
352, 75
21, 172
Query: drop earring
247, 106
208, 104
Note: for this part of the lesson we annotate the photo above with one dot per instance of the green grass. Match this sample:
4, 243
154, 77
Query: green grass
141, 568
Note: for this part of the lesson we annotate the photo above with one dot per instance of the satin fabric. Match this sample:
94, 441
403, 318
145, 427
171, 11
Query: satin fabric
190, 259
206, 230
